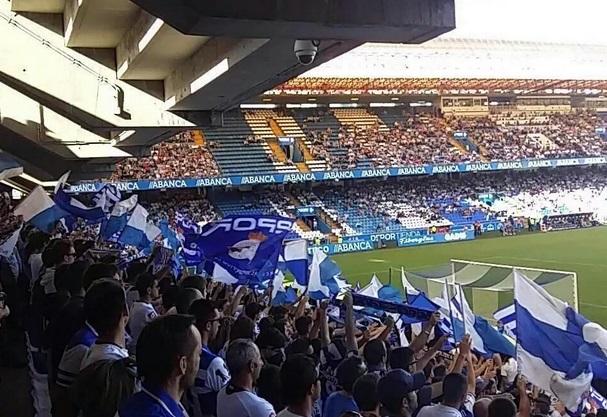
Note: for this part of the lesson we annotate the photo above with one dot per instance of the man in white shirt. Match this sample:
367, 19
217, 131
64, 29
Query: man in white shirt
238, 398
143, 311
300, 381
110, 345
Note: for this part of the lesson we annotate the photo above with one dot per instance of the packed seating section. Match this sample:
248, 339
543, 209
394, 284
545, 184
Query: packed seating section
364, 138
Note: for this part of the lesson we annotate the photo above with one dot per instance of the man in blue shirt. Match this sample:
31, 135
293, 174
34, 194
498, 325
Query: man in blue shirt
213, 374
168, 355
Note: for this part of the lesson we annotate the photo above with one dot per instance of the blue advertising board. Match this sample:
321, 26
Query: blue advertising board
365, 242
300, 177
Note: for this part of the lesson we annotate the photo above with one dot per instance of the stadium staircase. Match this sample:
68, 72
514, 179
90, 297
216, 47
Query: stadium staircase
326, 121
234, 157
289, 128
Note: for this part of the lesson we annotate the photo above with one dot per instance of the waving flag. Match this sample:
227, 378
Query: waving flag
507, 317
558, 349
243, 249
138, 232
75, 208
40, 210
118, 219
107, 197
485, 338
295, 255
325, 278
280, 294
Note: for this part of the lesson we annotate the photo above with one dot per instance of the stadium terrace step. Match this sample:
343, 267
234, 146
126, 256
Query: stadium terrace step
302, 167
277, 151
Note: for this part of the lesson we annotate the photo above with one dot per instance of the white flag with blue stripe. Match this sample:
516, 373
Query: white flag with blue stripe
138, 232
295, 256
325, 280
112, 228
40, 210
558, 349
506, 318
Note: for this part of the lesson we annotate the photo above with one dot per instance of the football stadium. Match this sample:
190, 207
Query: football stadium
327, 208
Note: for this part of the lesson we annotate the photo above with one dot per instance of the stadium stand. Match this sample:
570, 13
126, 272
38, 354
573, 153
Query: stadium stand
181, 156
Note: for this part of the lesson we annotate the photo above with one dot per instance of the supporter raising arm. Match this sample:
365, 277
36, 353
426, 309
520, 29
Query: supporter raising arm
421, 339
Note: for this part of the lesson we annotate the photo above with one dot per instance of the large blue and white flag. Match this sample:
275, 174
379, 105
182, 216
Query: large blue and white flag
558, 349
138, 231
485, 338
295, 255
40, 210
77, 209
243, 249
112, 227
107, 197
280, 294
325, 274
506, 318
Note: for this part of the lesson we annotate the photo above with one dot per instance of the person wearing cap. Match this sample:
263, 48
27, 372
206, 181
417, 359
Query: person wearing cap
458, 390
396, 392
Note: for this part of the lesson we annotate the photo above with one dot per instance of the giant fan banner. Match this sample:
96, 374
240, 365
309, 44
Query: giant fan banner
243, 249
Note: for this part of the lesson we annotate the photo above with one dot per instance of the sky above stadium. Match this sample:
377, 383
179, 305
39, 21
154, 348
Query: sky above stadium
561, 21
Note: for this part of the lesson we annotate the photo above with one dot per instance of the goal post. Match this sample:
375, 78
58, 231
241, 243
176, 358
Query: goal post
489, 287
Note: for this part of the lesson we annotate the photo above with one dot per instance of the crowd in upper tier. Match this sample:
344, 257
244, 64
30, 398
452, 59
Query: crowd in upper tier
179, 157
394, 138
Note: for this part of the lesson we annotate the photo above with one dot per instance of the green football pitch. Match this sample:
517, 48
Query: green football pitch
583, 251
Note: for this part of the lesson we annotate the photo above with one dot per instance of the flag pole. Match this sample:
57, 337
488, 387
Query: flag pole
450, 309
461, 303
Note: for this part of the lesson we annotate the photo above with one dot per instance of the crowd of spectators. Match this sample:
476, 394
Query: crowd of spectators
427, 202
144, 342
407, 139
509, 136
179, 157
425, 138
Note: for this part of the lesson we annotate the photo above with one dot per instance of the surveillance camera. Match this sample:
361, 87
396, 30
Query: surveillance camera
305, 51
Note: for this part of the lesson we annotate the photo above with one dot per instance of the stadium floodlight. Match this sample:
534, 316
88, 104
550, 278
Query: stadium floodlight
258, 106
383, 104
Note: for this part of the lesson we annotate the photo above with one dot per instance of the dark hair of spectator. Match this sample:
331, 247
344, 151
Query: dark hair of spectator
133, 271
502, 407
365, 392
455, 387
203, 310
160, 346
105, 305
185, 298
194, 281
103, 386
252, 310
268, 386
401, 358
144, 281
243, 328
303, 325
98, 271
375, 352
297, 376
348, 371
